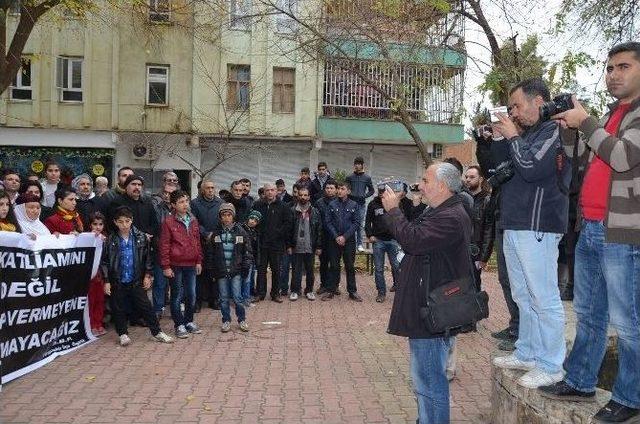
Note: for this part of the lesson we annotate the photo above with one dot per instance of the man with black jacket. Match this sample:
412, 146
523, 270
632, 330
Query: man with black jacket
240, 202
483, 223
379, 235
144, 214
306, 242
323, 205
439, 237
318, 183
274, 233
361, 188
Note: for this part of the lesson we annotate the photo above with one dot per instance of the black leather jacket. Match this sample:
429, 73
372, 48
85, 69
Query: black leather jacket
142, 258
483, 223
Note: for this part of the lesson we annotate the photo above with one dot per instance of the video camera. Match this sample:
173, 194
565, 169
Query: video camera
395, 185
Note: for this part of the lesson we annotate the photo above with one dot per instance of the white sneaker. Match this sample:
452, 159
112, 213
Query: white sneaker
536, 378
163, 338
510, 362
125, 340
244, 326
311, 296
293, 296
226, 327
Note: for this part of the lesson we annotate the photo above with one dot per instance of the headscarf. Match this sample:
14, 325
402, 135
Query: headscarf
76, 182
28, 225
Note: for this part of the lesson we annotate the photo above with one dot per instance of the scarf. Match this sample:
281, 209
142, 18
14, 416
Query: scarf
7, 226
28, 225
70, 216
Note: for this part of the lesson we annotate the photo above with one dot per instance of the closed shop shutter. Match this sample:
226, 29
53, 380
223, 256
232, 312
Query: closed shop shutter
340, 155
396, 161
284, 160
245, 165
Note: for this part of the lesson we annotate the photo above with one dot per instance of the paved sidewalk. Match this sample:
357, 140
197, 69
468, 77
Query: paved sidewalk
327, 362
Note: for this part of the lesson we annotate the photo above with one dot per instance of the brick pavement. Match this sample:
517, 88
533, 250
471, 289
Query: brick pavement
328, 362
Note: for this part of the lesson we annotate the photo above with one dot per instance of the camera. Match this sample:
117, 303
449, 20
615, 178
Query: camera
503, 173
493, 118
559, 104
414, 188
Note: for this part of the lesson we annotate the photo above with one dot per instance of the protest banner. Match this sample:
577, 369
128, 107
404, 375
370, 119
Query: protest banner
43, 298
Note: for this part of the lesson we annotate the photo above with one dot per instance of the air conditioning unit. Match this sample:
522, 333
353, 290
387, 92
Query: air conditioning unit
143, 151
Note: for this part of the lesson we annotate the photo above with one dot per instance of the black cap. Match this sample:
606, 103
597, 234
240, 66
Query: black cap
132, 178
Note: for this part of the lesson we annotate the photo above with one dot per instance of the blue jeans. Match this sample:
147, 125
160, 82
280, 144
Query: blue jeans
183, 290
532, 263
231, 287
159, 288
391, 248
247, 284
430, 384
606, 288
285, 266
361, 211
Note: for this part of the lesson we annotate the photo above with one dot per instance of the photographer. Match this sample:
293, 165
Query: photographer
607, 259
492, 151
533, 216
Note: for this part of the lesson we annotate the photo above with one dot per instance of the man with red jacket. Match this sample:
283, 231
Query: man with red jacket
181, 261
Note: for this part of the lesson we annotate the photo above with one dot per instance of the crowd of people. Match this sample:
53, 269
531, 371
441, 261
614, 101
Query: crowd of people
217, 248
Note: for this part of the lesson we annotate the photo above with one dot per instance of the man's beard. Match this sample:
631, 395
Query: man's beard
473, 187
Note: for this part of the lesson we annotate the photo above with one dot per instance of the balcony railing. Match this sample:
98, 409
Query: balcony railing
431, 93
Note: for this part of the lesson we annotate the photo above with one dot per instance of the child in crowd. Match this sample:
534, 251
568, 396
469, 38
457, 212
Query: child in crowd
230, 260
96, 285
248, 287
8, 220
181, 261
127, 266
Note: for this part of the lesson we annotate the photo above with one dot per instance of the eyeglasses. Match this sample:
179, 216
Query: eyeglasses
171, 180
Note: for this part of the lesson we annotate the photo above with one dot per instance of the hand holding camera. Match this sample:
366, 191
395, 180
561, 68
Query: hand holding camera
573, 117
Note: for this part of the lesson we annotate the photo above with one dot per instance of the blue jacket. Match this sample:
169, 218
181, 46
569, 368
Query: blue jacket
361, 187
534, 199
206, 212
342, 219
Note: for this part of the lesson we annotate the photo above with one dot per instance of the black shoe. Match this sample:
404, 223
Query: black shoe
198, 307
613, 412
327, 296
505, 334
393, 288
562, 391
355, 297
507, 345
380, 298
277, 299
321, 290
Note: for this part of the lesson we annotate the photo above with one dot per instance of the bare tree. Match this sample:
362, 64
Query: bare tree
381, 59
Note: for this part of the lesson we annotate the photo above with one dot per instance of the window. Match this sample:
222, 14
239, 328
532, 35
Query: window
69, 79
437, 151
284, 96
240, 14
284, 23
238, 79
159, 10
21, 85
157, 85
15, 6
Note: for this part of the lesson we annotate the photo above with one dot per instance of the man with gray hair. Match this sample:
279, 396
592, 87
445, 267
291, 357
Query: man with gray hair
101, 186
440, 237
87, 202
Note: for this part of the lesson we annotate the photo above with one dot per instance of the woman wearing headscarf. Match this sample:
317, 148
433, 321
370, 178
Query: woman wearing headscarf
86, 201
8, 221
34, 187
27, 211
66, 219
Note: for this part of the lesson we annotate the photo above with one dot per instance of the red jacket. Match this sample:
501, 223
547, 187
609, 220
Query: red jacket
180, 246
57, 224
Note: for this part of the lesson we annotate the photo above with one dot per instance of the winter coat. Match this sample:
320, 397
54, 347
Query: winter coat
361, 187
253, 235
276, 225
241, 260
179, 245
483, 222
440, 236
375, 225
315, 224
144, 214
342, 219
142, 260
206, 212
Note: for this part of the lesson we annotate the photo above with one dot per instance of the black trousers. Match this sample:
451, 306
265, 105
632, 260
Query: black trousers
303, 262
134, 293
348, 255
503, 278
324, 264
269, 258
206, 288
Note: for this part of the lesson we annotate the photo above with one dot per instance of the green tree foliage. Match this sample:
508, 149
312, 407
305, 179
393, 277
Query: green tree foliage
612, 20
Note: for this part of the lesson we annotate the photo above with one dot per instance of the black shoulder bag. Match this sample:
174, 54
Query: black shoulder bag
454, 306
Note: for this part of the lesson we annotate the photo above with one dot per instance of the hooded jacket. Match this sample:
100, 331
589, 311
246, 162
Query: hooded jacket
242, 257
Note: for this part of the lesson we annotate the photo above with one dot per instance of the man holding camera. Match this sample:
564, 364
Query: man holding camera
533, 216
607, 261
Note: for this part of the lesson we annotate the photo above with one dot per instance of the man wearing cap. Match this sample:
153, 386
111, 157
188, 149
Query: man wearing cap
378, 233
144, 214
361, 190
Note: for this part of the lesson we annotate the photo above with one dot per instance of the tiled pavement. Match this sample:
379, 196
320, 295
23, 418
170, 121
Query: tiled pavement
327, 362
